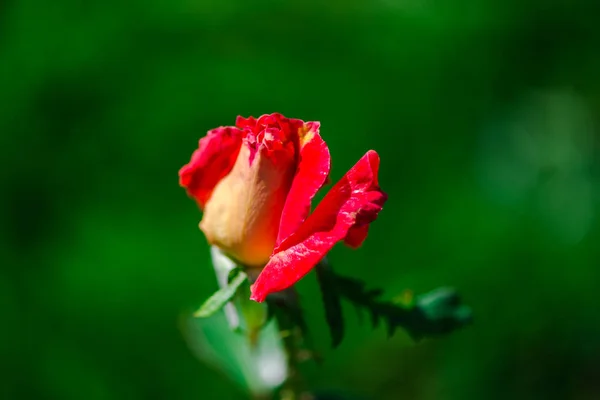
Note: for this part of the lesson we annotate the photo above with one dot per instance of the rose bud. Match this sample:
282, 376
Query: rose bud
255, 182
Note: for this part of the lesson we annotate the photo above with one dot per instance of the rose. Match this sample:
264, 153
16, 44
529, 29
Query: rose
255, 182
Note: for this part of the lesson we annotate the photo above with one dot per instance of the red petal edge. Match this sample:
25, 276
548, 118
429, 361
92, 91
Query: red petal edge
344, 214
213, 159
313, 169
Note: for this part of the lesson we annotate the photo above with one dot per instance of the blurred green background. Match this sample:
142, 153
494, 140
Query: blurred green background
486, 118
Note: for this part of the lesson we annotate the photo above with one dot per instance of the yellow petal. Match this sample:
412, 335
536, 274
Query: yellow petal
242, 215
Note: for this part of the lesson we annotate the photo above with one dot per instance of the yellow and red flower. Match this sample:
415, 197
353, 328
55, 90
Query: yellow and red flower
255, 182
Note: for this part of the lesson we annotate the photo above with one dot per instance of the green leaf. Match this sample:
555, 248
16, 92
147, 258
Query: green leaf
215, 302
332, 302
440, 312
434, 313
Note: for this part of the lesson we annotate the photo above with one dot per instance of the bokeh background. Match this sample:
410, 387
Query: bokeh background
486, 116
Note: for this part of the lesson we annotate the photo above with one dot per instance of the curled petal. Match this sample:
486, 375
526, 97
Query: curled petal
356, 236
214, 159
343, 213
311, 173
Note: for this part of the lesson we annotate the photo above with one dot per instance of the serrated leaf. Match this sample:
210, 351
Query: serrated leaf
374, 319
437, 312
332, 303
221, 297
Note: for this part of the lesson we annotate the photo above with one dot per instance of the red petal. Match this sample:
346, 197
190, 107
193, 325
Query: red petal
214, 158
351, 205
356, 236
242, 122
312, 171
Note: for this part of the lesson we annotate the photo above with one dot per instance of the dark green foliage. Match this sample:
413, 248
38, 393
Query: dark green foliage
437, 312
332, 302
